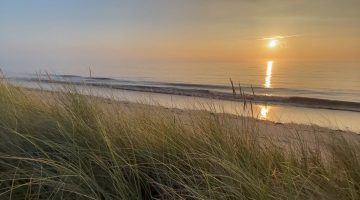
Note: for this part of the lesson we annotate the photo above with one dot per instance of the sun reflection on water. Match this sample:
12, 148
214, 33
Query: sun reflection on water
264, 111
268, 74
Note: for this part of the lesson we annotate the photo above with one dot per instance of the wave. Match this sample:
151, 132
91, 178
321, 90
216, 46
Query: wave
222, 92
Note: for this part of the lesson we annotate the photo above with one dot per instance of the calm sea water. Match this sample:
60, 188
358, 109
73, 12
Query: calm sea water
334, 81
326, 80
334, 119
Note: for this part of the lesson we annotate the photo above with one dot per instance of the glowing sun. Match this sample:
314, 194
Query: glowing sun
273, 43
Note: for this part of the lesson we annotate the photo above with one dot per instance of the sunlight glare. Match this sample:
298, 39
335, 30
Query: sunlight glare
268, 74
273, 43
264, 111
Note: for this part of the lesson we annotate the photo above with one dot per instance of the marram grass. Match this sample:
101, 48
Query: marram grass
68, 146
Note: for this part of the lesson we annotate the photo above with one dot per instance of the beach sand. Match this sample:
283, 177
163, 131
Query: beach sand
282, 133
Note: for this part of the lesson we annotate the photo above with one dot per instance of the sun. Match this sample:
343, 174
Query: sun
273, 43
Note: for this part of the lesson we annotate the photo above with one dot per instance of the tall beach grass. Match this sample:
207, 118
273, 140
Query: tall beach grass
64, 145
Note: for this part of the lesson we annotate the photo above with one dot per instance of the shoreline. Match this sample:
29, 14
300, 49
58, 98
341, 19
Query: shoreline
333, 119
266, 128
305, 102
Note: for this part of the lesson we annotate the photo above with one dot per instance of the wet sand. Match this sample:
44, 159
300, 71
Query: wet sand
282, 133
333, 119
306, 102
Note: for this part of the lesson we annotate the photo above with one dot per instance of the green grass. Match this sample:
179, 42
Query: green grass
68, 146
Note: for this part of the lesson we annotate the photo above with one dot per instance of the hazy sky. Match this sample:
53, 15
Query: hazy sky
42, 33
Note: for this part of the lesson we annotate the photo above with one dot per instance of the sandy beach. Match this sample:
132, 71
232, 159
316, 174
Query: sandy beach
77, 145
283, 133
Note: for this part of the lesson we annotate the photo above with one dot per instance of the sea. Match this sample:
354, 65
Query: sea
315, 93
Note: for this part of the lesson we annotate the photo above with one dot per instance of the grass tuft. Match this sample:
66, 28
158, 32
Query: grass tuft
68, 146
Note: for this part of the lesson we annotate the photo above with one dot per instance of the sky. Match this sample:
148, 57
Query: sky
44, 33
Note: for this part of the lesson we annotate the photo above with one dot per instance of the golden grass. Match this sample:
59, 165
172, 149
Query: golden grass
69, 146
